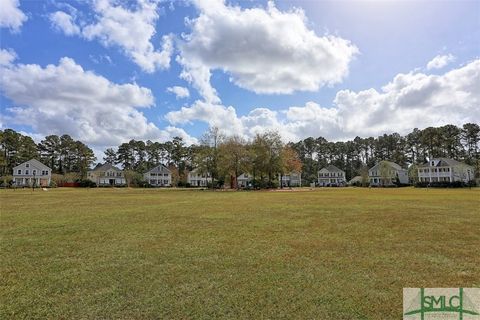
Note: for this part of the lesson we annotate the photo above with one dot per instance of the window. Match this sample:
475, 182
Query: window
27, 165
34, 172
165, 174
46, 172
26, 172
19, 171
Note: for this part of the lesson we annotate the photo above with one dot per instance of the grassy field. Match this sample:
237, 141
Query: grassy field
175, 254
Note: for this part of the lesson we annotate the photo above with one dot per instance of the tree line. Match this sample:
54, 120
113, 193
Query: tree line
265, 156
61, 153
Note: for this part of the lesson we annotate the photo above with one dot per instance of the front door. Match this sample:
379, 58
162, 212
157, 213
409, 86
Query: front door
111, 181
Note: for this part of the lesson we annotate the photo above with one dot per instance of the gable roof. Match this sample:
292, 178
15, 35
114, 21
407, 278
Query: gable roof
159, 168
444, 162
106, 167
332, 168
35, 163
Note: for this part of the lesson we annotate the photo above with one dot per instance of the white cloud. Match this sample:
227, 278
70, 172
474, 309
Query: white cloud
7, 56
408, 101
217, 115
65, 23
264, 50
65, 98
131, 29
180, 92
440, 61
11, 16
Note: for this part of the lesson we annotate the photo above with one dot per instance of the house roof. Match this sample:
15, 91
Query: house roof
35, 163
332, 168
159, 168
106, 167
389, 163
355, 179
444, 162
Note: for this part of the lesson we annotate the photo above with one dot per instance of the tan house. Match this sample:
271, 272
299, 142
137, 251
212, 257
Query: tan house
387, 173
445, 170
107, 175
160, 176
32, 172
331, 176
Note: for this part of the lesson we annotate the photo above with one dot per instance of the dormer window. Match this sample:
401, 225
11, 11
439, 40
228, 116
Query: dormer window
433, 163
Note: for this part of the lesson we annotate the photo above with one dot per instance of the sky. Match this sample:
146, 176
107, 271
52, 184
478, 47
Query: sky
107, 71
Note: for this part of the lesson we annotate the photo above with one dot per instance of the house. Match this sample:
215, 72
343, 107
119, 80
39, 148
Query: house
355, 181
197, 179
107, 175
387, 173
293, 179
331, 176
445, 170
160, 176
244, 180
32, 173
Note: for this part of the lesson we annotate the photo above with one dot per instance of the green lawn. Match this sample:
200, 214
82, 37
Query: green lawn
175, 254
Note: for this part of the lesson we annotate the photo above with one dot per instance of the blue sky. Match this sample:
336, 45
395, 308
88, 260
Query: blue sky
305, 68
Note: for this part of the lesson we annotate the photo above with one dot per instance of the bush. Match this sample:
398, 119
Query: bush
85, 183
442, 184
6, 181
52, 184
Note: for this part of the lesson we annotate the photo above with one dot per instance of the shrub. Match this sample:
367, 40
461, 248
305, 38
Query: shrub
52, 184
441, 184
85, 183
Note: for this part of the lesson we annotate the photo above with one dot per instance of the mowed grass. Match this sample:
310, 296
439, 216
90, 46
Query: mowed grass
176, 254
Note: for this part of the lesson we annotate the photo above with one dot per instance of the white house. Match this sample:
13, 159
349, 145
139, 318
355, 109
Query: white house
293, 179
160, 176
32, 172
445, 170
331, 176
197, 179
244, 180
387, 173
107, 175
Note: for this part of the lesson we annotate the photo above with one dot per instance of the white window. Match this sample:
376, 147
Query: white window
34, 172
19, 171
26, 171
27, 165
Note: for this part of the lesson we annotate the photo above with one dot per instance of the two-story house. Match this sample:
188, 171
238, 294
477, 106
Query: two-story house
244, 180
331, 176
387, 173
32, 172
107, 175
292, 179
445, 170
160, 176
197, 179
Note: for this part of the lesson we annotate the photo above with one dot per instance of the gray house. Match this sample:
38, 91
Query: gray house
160, 176
292, 179
32, 172
387, 173
445, 170
244, 180
331, 176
